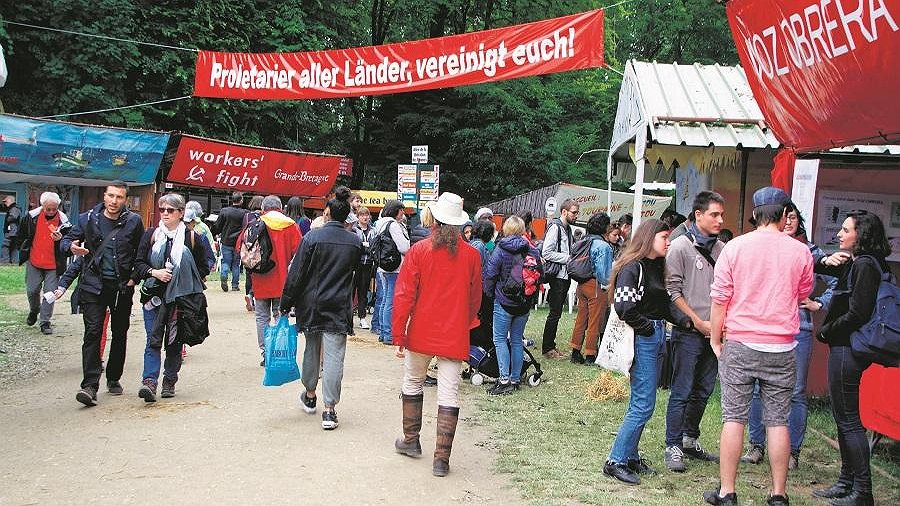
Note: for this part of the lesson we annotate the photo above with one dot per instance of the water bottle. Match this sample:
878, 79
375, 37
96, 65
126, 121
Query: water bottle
153, 303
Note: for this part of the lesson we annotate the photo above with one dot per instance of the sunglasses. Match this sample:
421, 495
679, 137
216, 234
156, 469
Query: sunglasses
168, 210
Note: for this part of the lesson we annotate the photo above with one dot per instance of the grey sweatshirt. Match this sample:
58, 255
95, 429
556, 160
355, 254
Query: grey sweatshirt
690, 275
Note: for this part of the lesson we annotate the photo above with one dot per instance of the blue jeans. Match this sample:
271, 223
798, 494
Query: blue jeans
388, 280
153, 356
643, 395
508, 333
799, 405
231, 262
379, 304
695, 368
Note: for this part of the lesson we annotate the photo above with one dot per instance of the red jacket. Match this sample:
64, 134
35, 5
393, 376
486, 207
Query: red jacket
436, 300
285, 236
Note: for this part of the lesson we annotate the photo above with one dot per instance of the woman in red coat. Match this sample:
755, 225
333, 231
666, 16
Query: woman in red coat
436, 301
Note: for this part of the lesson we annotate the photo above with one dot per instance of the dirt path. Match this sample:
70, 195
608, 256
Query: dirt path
225, 439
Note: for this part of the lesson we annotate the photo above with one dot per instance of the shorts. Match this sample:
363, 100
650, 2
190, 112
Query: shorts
741, 367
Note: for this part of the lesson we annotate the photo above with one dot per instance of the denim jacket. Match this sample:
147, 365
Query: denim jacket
806, 320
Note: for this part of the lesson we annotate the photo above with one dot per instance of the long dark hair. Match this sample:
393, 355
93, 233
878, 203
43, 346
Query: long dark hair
294, 208
639, 247
339, 206
870, 236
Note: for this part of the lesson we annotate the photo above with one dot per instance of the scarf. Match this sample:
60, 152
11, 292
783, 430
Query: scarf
160, 238
700, 239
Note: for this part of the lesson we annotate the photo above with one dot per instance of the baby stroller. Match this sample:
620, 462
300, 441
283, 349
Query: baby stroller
483, 363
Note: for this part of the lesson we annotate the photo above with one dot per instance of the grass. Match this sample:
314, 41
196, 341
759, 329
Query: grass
553, 441
12, 279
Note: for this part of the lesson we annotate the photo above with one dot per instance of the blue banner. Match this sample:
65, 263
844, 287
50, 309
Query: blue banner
34, 147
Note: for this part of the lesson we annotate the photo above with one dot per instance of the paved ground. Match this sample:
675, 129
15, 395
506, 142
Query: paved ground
225, 439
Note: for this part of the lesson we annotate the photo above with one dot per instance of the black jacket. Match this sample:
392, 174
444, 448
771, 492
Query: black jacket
229, 224
650, 288
125, 243
854, 297
27, 228
319, 283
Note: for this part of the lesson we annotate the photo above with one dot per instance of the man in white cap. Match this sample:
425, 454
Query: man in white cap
40, 233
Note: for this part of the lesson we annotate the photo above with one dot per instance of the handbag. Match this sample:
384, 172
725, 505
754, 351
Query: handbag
281, 353
616, 350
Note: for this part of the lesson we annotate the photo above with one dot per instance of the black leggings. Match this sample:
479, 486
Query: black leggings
361, 281
844, 373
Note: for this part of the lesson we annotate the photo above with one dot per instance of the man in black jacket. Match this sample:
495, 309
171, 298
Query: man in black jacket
10, 229
228, 227
107, 237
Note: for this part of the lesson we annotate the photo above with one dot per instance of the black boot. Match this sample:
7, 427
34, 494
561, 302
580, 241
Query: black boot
854, 498
576, 357
412, 423
839, 489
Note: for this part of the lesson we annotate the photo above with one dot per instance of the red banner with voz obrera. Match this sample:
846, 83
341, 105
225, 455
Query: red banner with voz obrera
211, 164
824, 72
543, 47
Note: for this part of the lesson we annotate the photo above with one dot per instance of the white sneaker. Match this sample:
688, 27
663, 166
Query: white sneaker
363, 324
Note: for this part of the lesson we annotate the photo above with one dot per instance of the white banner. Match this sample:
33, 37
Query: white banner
592, 200
833, 207
803, 191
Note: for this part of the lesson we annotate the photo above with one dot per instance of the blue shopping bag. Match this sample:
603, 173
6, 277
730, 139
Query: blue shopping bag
281, 353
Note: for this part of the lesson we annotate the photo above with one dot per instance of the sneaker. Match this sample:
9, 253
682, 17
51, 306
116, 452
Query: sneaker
45, 328
430, 381
148, 391
576, 357
712, 497
675, 459
248, 302
640, 466
235, 288
31, 319
168, 389
621, 473
754, 455
262, 363
363, 324
224, 284
590, 360
793, 461
502, 389
329, 420
114, 388
554, 354
309, 405
778, 500
87, 396
691, 448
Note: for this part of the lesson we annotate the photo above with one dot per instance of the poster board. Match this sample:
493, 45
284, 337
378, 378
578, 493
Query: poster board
832, 209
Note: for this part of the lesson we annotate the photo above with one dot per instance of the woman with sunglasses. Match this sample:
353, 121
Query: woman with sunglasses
863, 241
172, 262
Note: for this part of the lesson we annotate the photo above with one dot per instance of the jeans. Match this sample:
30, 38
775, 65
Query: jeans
153, 356
695, 370
643, 395
508, 333
231, 263
38, 281
379, 305
844, 373
93, 311
335, 348
388, 280
799, 405
556, 297
266, 310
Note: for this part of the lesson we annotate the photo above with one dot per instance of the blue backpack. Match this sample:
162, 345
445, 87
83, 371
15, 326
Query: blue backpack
879, 339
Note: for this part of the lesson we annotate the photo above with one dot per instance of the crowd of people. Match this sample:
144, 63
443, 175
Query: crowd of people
669, 279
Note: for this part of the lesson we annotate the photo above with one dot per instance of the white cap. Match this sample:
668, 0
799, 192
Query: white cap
484, 211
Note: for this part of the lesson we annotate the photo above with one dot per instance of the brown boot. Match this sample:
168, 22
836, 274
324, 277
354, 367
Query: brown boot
412, 423
446, 429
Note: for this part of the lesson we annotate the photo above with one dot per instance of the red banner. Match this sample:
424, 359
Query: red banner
543, 47
824, 72
212, 164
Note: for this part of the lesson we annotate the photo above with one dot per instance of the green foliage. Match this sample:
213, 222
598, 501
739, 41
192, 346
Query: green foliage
492, 140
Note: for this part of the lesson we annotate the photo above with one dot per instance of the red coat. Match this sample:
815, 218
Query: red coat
436, 300
285, 236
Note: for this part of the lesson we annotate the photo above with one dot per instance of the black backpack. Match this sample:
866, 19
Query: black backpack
383, 250
256, 248
580, 267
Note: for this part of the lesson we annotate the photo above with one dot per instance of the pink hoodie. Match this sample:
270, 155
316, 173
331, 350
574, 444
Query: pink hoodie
761, 277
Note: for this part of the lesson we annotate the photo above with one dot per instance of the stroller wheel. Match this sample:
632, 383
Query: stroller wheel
534, 379
477, 379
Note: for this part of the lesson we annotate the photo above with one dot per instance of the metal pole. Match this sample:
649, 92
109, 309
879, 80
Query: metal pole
745, 155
